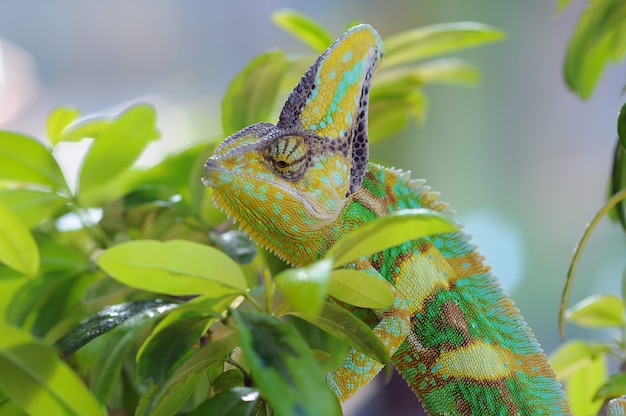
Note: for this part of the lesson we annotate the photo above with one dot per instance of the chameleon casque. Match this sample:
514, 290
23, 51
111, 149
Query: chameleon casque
300, 185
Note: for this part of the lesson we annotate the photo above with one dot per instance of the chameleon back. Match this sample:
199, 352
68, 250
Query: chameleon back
469, 352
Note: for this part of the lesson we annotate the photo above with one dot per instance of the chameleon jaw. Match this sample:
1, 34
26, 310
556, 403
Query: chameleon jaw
213, 167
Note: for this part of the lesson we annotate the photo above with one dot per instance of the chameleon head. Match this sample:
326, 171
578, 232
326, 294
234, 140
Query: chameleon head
280, 180
290, 181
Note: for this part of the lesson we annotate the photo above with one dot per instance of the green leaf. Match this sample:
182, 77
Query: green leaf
37, 381
597, 311
58, 256
583, 383
614, 386
251, 95
283, 367
574, 355
175, 267
33, 206
90, 128
599, 37
170, 345
174, 338
228, 379
239, 401
18, 248
618, 182
346, 327
117, 148
23, 159
562, 4
329, 351
444, 70
107, 319
11, 283
305, 287
391, 114
235, 244
115, 350
58, 120
396, 83
304, 28
621, 126
389, 231
360, 289
30, 298
434, 40
166, 400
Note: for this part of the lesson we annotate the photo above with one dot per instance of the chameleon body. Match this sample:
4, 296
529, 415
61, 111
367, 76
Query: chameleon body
299, 186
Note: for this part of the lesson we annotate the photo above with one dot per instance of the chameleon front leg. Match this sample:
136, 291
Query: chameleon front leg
391, 325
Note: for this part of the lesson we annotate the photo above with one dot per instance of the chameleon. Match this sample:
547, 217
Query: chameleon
298, 186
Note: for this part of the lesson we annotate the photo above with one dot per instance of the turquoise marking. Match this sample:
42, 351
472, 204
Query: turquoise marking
347, 56
279, 195
350, 78
313, 127
225, 177
479, 293
332, 75
322, 124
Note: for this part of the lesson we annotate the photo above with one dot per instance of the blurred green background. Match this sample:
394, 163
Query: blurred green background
523, 161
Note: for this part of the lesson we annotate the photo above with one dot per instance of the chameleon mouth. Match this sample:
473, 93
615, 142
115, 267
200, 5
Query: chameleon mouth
212, 168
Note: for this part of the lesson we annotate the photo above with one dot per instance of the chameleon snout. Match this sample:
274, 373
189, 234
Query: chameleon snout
211, 167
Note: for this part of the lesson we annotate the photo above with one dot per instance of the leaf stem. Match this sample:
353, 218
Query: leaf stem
613, 201
253, 301
94, 230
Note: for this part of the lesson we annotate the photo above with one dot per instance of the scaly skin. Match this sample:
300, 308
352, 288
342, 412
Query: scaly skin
299, 186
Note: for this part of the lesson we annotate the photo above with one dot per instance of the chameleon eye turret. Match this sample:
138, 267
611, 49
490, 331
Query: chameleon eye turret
288, 157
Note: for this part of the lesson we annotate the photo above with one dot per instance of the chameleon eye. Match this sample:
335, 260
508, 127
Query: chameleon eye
288, 157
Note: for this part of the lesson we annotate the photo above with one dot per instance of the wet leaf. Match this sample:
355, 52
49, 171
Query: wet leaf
283, 367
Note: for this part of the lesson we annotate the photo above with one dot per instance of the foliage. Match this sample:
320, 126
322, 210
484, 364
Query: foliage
599, 37
129, 292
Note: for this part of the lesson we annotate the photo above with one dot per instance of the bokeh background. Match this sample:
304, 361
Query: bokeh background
523, 161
